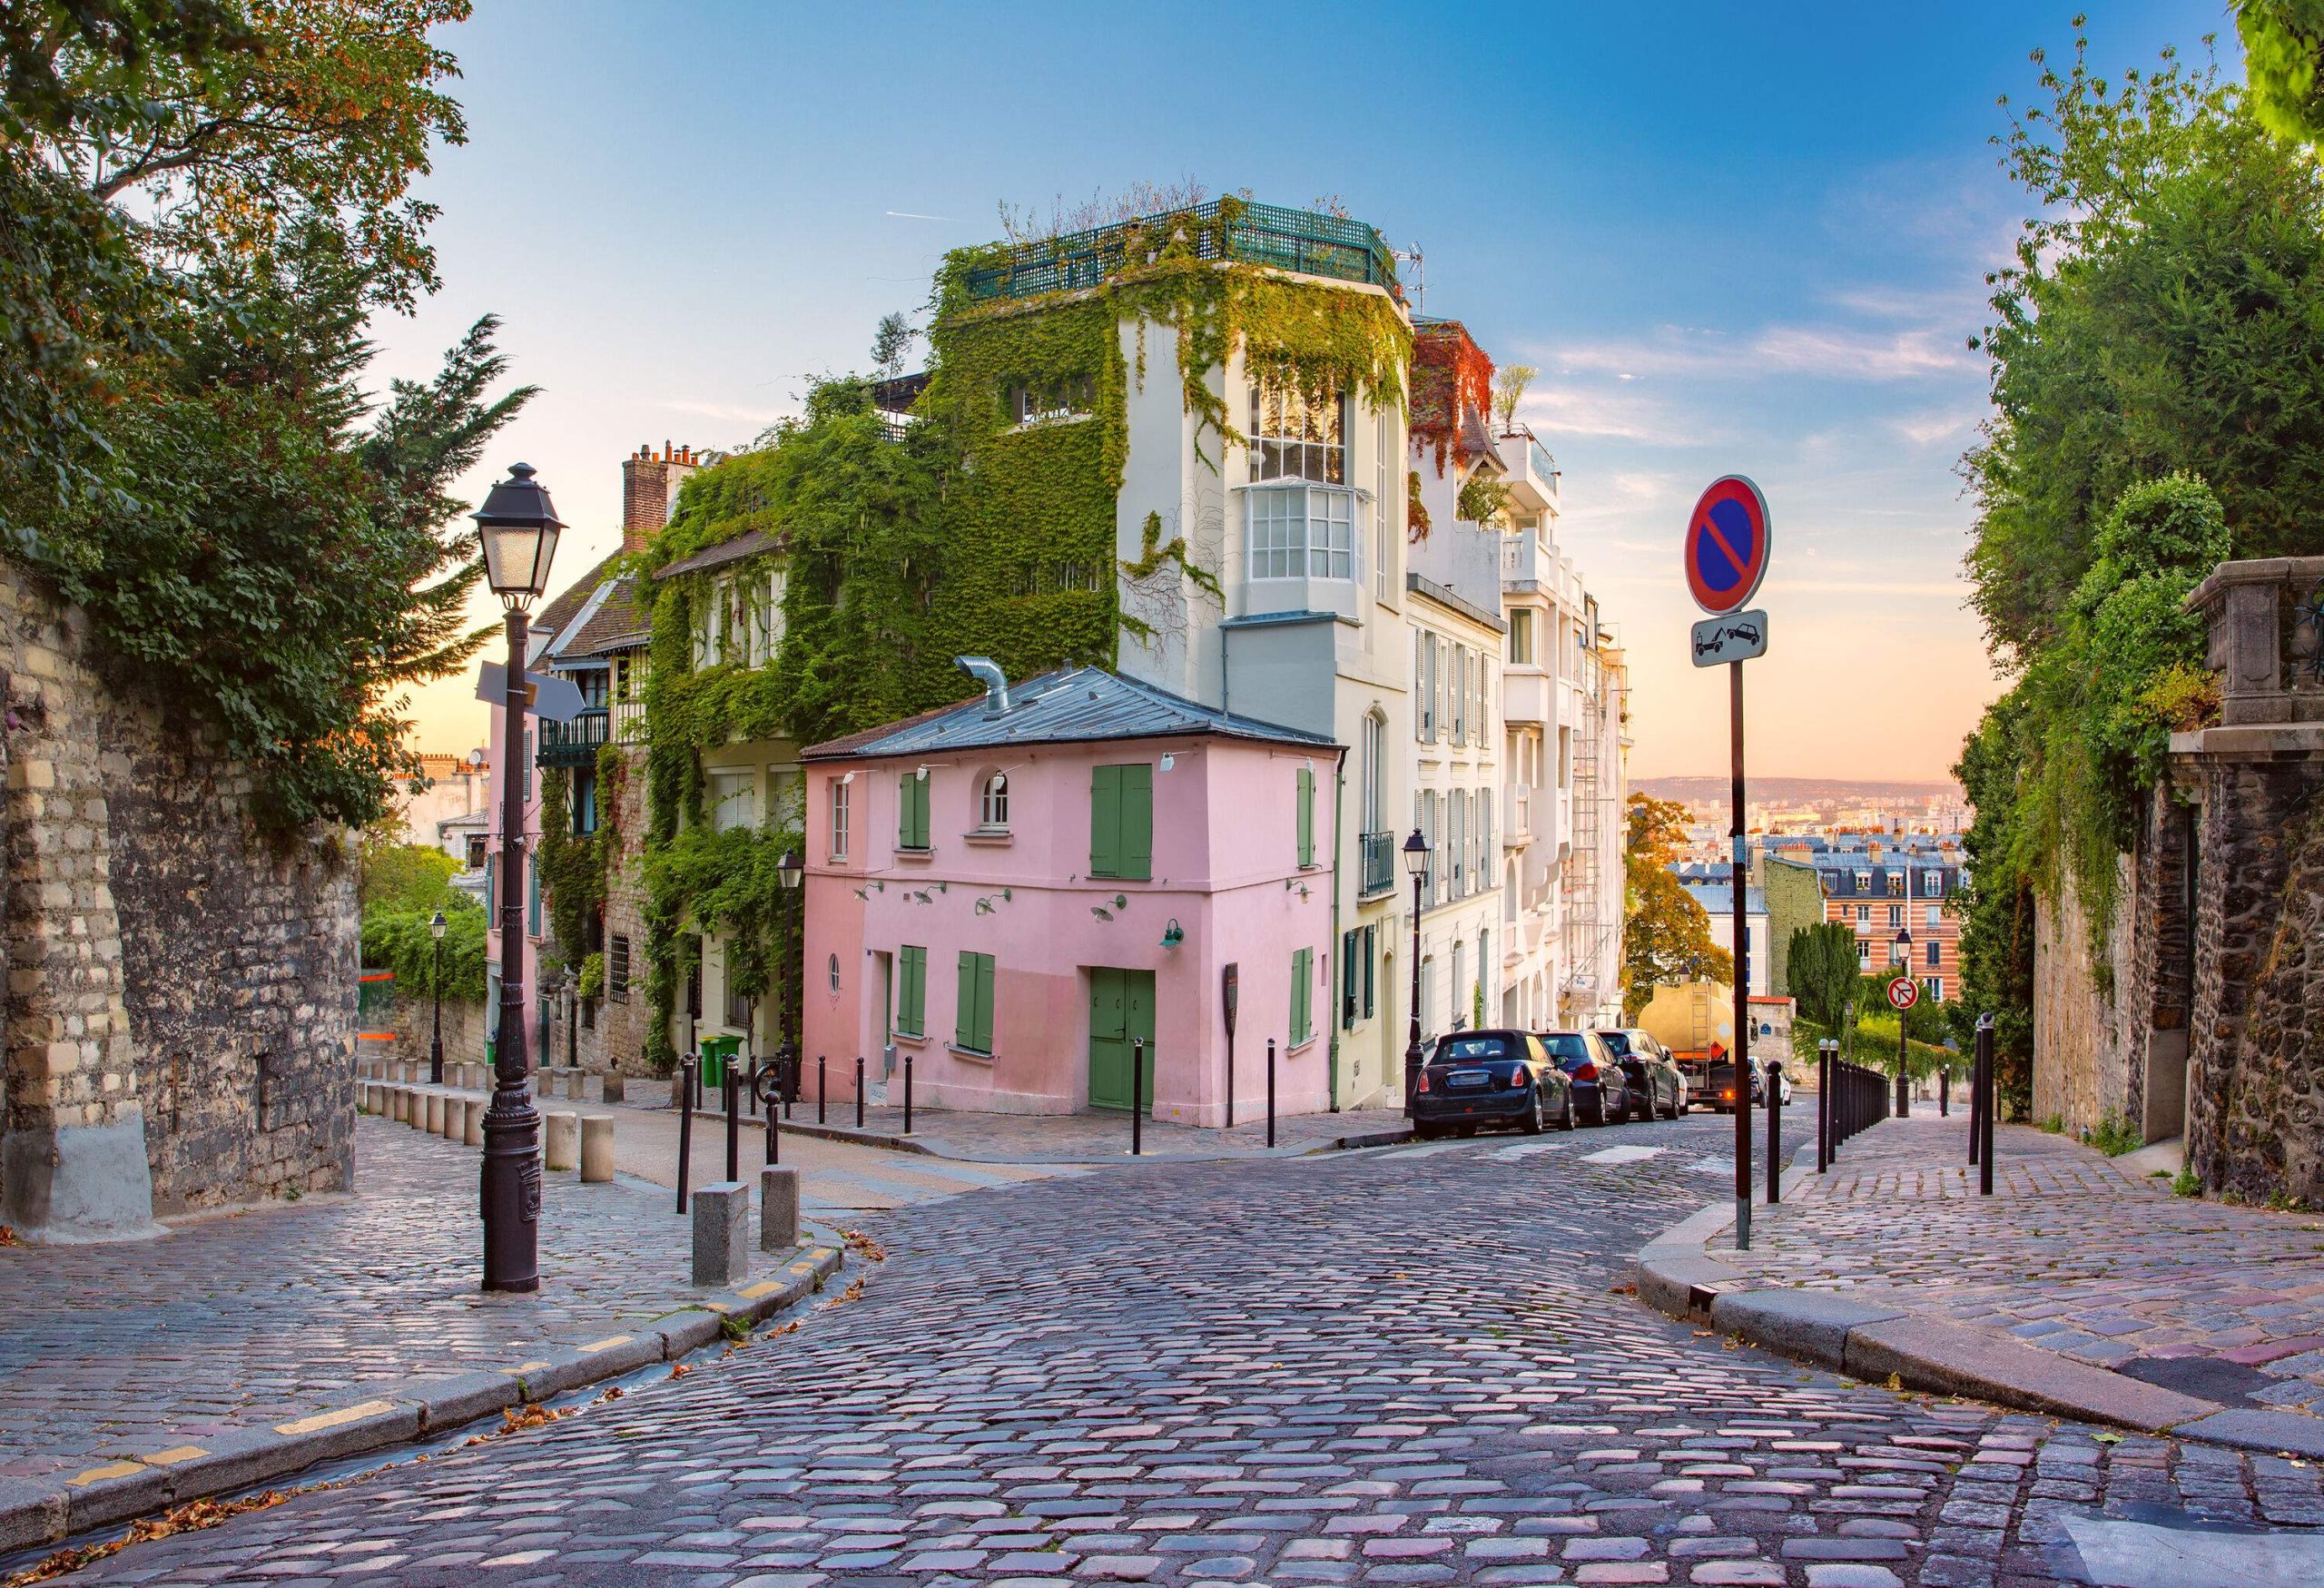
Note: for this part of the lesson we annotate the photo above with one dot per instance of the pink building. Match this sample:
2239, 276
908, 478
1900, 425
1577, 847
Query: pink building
1014, 889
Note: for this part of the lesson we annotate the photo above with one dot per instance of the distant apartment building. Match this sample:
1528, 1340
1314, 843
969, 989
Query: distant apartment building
1898, 900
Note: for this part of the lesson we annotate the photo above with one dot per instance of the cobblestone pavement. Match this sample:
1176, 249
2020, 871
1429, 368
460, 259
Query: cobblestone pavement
1395, 1366
2071, 1253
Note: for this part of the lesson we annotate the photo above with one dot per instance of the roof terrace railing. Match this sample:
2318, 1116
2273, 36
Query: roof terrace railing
1261, 234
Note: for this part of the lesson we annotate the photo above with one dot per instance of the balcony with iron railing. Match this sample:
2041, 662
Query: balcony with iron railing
1377, 851
574, 744
1224, 229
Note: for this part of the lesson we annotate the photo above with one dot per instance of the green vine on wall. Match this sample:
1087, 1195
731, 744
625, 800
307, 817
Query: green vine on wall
1154, 552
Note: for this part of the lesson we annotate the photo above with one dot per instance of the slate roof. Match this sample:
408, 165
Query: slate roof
1719, 898
1837, 872
750, 543
567, 603
1073, 705
619, 623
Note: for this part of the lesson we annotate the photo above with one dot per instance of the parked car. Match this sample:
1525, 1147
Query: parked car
1657, 1086
1489, 1078
1720, 1089
1601, 1090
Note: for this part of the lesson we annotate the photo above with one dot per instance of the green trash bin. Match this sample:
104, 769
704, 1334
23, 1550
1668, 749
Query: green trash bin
717, 1052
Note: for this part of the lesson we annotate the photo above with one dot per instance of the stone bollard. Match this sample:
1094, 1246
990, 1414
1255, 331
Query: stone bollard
432, 1113
596, 1150
472, 1120
722, 1243
399, 1105
778, 1209
455, 1116
613, 1089
560, 1140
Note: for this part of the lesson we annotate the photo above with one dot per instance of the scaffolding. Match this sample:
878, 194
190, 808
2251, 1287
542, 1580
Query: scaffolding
1583, 883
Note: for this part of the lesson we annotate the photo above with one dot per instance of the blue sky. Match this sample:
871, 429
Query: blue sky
1733, 238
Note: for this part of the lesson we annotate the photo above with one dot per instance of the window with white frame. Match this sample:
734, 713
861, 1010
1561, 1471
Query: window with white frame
1934, 910
1460, 694
1300, 532
1297, 434
1521, 636
840, 817
1055, 401
786, 796
993, 804
733, 800
1375, 763
1383, 510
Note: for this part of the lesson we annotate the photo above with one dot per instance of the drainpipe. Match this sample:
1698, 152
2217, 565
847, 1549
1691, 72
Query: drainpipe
1339, 938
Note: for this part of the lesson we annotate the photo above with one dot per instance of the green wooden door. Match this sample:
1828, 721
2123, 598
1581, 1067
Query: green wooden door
1121, 1007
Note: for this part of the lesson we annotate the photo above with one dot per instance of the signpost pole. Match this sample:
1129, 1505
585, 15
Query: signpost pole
1742, 880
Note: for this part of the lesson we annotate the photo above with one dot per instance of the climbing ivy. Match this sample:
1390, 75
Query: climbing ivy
974, 530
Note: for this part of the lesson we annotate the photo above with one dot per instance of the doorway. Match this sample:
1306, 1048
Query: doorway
1121, 1008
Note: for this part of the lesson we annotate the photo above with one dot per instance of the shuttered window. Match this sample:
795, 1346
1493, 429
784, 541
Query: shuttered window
911, 812
1121, 820
911, 992
1303, 962
973, 1023
1306, 816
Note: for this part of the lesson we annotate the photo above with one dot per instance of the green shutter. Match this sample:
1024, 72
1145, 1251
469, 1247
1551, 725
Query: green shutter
1104, 820
983, 1043
903, 811
964, 1002
911, 992
1306, 816
1137, 820
1299, 995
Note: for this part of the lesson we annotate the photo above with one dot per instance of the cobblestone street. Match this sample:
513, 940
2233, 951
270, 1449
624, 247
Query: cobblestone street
1402, 1366
2072, 1254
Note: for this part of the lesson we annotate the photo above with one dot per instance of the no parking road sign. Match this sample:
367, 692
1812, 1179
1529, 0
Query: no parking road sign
1903, 993
1727, 545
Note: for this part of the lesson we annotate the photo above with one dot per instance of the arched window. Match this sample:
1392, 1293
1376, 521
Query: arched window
993, 804
834, 975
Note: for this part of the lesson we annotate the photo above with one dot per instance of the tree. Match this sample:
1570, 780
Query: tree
395, 875
1509, 384
2283, 40
1821, 972
1666, 934
891, 344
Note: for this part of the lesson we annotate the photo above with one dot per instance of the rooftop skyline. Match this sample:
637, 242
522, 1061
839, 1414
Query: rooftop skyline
1728, 241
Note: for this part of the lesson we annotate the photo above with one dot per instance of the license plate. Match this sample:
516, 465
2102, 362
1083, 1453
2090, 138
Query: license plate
1469, 1078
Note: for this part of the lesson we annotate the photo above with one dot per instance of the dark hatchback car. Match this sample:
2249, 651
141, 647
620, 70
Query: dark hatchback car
1658, 1090
1601, 1091
1718, 1085
1489, 1078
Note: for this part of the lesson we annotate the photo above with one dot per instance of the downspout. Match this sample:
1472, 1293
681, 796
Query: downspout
1339, 939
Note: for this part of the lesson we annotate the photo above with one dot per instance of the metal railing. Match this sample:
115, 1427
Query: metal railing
1260, 234
1378, 854
574, 744
1849, 1098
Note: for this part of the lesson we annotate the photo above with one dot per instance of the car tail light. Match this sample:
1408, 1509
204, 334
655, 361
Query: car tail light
1518, 1077
1587, 1072
1422, 1085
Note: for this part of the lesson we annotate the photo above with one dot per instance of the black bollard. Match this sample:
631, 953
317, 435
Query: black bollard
1137, 1088
1775, 1132
859, 1091
685, 1127
1945, 1092
822, 1075
1270, 1091
1986, 1114
907, 1094
790, 1062
1823, 1109
728, 1084
1976, 1101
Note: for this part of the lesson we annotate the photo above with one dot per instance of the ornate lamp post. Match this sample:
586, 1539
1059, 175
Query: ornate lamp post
519, 528
436, 983
1416, 854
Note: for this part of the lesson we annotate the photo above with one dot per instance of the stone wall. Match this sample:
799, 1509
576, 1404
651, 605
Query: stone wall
2256, 1062
181, 992
2079, 1072
412, 1020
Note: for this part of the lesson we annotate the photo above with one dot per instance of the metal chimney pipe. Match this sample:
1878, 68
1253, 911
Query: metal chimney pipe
987, 672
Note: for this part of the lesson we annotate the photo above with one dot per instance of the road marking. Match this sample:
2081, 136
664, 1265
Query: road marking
1713, 1166
1525, 1150
112, 1469
321, 1420
1623, 1154
174, 1455
607, 1344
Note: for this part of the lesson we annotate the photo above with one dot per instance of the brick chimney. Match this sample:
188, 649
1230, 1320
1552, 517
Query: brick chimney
649, 488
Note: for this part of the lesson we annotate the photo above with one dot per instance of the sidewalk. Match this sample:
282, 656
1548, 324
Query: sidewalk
244, 1346
976, 1137
2077, 1287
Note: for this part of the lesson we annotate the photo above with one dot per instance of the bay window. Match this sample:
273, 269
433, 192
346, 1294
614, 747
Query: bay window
1301, 532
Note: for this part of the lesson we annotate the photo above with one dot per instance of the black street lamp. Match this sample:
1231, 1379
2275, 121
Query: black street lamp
436, 984
518, 527
1416, 852
791, 872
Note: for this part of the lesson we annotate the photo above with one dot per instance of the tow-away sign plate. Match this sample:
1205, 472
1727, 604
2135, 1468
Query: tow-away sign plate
1738, 637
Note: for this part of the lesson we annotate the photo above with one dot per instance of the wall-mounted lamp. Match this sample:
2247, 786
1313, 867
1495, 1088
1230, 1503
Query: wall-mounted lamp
921, 774
1121, 901
1168, 762
1173, 934
848, 779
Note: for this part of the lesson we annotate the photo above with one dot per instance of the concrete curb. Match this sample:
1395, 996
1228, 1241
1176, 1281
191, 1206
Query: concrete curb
139, 1479
1877, 1340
